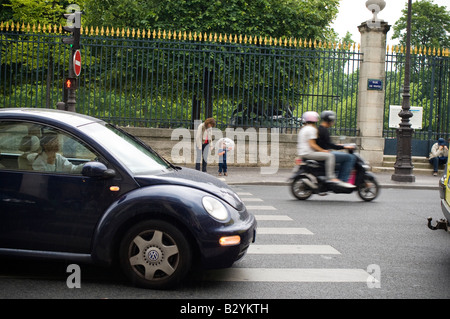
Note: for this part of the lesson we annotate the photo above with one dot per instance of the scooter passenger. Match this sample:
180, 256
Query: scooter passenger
308, 149
345, 160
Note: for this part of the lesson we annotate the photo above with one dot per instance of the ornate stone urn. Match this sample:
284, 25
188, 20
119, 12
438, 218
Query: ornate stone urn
375, 6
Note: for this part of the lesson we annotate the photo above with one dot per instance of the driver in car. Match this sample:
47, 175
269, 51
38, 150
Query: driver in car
49, 160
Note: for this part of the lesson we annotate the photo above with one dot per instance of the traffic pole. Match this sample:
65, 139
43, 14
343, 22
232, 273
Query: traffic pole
71, 96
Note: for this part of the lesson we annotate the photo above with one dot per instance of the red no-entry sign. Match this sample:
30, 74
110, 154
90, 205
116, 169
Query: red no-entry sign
77, 62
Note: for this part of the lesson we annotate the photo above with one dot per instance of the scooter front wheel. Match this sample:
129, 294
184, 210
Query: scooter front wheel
300, 189
368, 190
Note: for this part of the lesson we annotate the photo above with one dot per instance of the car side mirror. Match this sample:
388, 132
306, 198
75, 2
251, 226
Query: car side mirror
98, 170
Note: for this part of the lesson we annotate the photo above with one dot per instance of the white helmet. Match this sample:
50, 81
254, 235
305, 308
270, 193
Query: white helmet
310, 117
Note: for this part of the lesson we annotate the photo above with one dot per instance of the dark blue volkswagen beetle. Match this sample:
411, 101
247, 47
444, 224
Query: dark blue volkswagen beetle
75, 188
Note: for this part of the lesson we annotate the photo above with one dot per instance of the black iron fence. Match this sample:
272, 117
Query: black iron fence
169, 79
430, 97
429, 89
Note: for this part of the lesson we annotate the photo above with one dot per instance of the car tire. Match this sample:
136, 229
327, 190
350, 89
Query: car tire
155, 254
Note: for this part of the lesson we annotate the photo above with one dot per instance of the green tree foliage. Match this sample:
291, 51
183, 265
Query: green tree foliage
276, 18
430, 25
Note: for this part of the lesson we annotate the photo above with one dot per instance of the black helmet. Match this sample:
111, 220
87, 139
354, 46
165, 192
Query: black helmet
328, 116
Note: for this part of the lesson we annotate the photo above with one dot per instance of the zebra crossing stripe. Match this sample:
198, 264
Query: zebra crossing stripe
292, 249
289, 275
283, 231
273, 217
249, 207
250, 199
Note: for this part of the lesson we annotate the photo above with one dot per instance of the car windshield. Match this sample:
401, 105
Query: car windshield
137, 158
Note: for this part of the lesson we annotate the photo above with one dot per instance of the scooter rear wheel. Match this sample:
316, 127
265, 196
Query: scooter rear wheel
368, 190
300, 189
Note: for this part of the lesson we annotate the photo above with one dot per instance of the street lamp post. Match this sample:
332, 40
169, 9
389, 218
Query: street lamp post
403, 164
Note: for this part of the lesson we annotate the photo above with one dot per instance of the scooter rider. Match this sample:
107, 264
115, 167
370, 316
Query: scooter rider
346, 160
307, 148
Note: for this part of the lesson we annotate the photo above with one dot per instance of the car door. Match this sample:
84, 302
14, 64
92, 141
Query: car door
50, 207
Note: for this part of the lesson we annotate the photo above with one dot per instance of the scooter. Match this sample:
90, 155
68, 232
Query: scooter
309, 178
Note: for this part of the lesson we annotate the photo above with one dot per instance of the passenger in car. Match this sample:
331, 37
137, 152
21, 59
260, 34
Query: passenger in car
30, 146
50, 160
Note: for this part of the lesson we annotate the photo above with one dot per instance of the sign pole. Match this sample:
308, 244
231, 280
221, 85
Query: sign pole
71, 98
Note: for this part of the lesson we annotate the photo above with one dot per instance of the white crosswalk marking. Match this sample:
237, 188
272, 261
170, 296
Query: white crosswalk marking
244, 194
269, 250
273, 217
292, 249
289, 275
260, 207
251, 199
283, 231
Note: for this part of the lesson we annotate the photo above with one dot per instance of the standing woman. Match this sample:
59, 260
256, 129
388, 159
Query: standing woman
202, 141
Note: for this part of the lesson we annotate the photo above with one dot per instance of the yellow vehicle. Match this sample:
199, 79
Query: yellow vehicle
444, 193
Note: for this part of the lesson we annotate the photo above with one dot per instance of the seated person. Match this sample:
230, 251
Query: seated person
346, 160
438, 155
307, 148
50, 160
30, 146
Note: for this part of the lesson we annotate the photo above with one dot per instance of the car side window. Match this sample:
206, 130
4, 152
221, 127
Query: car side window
28, 146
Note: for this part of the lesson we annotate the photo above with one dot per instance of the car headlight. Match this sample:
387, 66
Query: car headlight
215, 208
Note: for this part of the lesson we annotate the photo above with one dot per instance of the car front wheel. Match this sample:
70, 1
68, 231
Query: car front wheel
155, 254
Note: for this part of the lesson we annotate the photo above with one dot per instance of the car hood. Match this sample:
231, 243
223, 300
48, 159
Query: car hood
195, 179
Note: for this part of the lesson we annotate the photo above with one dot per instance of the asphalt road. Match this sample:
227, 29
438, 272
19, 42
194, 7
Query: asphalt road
330, 247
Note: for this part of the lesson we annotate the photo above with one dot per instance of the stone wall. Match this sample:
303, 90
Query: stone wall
263, 148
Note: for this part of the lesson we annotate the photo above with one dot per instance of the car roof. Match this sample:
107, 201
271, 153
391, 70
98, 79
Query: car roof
48, 115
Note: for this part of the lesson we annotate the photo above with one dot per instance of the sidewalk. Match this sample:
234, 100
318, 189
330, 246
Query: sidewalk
253, 176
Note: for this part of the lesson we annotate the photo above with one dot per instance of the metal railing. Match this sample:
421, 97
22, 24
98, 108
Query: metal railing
170, 79
429, 89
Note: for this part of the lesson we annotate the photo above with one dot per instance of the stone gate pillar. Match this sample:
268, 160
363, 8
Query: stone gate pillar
372, 90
